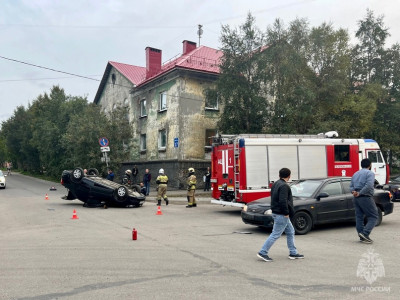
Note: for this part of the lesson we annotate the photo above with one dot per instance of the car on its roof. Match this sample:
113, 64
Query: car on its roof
2, 180
316, 201
94, 190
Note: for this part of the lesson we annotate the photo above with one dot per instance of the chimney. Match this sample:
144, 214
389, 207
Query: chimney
153, 61
188, 46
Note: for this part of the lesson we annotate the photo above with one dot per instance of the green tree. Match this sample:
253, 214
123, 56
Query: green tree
290, 81
329, 57
17, 132
241, 85
368, 52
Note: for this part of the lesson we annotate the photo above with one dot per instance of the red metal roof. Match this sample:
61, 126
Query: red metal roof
203, 58
134, 74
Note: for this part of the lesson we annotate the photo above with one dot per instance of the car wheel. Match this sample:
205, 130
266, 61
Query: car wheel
77, 175
120, 193
302, 222
93, 171
379, 221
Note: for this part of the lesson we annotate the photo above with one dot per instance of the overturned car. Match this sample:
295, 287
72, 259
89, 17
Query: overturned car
94, 190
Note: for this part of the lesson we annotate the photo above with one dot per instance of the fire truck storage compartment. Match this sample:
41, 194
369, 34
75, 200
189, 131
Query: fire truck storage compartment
264, 162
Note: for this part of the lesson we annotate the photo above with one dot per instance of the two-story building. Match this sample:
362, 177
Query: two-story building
171, 118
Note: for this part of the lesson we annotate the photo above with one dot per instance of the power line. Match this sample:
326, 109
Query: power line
98, 26
44, 78
50, 69
80, 76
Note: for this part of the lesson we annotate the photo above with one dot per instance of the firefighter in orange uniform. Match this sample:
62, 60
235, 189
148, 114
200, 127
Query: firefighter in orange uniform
191, 188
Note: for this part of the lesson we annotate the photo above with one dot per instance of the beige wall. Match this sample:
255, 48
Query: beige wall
115, 94
184, 119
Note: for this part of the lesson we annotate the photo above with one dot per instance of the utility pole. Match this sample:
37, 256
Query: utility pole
200, 32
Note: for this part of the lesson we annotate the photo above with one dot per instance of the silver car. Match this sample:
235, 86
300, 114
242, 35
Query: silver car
2, 180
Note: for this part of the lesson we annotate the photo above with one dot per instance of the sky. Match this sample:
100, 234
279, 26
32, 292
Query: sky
79, 37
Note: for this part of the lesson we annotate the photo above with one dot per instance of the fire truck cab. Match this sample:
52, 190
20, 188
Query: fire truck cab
244, 167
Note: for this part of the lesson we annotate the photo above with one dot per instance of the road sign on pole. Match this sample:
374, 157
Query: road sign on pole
103, 142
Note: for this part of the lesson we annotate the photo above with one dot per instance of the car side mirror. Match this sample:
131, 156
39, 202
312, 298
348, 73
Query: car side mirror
322, 195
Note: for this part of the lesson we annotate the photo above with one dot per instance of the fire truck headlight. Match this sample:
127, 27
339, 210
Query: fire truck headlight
268, 212
245, 208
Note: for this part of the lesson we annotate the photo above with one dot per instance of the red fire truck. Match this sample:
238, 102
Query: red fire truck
245, 166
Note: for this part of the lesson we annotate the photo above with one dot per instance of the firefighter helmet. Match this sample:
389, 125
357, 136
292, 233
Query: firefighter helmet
128, 172
161, 171
191, 170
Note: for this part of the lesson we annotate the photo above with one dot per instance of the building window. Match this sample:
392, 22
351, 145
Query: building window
162, 139
163, 101
143, 112
342, 152
212, 103
208, 142
142, 142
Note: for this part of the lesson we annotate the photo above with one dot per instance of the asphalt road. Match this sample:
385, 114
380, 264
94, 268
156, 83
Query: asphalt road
200, 253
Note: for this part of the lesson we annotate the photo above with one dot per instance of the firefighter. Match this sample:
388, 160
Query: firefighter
162, 181
191, 188
127, 178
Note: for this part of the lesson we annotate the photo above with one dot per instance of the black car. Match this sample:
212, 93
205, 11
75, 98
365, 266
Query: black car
94, 190
395, 180
316, 201
394, 187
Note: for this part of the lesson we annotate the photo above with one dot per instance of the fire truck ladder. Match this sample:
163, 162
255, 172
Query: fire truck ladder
236, 168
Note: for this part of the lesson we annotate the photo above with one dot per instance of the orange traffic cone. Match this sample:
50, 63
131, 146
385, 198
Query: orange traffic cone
46, 197
159, 211
74, 216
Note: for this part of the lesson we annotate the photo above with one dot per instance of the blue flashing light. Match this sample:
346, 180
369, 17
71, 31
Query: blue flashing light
241, 143
369, 141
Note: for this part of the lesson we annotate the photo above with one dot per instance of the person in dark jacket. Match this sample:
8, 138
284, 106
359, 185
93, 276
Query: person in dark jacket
135, 173
207, 181
110, 175
146, 181
282, 210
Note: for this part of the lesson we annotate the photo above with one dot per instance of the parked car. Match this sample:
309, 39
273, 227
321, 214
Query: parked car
395, 180
94, 190
2, 180
316, 201
393, 187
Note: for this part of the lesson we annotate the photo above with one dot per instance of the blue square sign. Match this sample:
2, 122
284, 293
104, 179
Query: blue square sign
176, 142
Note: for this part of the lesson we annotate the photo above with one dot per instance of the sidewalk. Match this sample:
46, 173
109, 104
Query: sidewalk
179, 196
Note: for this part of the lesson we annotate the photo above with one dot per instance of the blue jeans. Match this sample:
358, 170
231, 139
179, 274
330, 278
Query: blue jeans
281, 224
365, 206
147, 185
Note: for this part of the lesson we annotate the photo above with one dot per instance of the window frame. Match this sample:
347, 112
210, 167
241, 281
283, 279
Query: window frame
143, 141
162, 98
208, 142
216, 107
143, 108
335, 184
342, 153
162, 133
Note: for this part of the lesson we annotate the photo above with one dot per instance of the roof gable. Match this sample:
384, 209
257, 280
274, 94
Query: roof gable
134, 74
